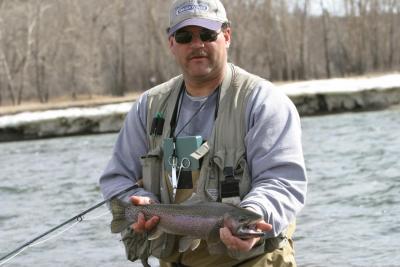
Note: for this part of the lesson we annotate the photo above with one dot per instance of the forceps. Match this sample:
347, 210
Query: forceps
184, 163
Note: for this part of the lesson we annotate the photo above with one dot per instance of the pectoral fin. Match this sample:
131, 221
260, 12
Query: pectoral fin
187, 242
155, 234
195, 244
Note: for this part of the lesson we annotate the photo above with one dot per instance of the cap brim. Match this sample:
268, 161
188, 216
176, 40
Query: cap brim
205, 23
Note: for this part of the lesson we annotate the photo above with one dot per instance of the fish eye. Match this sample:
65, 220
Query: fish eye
242, 219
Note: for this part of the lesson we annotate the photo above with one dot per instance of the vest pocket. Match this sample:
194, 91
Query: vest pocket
151, 170
242, 171
233, 181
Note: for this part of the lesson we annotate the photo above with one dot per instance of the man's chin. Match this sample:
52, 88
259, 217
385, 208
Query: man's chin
199, 71
201, 76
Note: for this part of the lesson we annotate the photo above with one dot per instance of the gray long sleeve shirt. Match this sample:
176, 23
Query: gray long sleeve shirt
273, 150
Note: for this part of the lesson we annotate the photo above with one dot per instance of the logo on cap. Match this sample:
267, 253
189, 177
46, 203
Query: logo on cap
191, 8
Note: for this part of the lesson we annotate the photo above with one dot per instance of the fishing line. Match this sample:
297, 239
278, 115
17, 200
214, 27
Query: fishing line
15, 255
97, 217
78, 218
55, 235
39, 243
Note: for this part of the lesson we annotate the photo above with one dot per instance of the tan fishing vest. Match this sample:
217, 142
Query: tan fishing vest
223, 155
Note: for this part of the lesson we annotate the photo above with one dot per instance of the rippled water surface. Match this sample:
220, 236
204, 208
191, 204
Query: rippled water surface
352, 217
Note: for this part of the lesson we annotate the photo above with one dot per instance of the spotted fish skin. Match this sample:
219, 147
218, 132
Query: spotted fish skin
200, 220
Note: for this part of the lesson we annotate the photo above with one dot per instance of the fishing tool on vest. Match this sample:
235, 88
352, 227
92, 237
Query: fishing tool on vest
78, 218
184, 163
174, 163
157, 124
179, 163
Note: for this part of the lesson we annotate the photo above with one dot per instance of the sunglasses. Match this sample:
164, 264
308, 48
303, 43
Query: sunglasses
185, 37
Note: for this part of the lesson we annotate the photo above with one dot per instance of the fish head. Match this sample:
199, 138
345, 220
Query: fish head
242, 222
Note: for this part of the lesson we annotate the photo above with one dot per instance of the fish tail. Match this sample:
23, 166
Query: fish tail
119, 221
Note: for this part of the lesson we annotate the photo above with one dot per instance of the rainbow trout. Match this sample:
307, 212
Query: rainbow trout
193, 221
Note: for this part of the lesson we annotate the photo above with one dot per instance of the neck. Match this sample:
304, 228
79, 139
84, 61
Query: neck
204, 87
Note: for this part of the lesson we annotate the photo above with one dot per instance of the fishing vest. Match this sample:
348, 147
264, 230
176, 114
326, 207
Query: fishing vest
223, 155
224, 173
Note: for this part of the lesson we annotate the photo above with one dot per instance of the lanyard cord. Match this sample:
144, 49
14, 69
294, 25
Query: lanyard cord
175, 115
177, 110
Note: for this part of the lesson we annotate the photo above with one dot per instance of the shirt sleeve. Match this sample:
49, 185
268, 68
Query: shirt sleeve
275, 157
124, 168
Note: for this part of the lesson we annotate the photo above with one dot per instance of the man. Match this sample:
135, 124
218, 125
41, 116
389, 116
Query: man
251, 152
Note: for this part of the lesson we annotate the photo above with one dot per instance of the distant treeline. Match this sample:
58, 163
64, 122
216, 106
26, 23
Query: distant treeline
59, 48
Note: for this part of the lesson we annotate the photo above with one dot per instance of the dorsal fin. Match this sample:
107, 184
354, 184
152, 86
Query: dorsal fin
193, 200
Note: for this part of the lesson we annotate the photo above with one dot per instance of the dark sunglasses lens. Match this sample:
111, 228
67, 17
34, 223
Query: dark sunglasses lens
209, 36
183, 37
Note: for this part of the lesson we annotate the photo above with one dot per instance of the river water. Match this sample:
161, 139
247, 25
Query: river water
352, 216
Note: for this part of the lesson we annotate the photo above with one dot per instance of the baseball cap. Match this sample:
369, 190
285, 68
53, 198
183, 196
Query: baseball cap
208, 14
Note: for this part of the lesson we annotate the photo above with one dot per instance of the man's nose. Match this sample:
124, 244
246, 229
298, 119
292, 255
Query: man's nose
196, 41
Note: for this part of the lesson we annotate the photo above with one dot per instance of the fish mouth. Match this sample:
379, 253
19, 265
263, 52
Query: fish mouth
249, 231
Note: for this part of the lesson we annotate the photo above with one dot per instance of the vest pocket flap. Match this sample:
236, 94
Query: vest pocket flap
151, 168
233, 173
201, 151
230, 162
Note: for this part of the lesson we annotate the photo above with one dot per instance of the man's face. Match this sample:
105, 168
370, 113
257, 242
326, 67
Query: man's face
201, 60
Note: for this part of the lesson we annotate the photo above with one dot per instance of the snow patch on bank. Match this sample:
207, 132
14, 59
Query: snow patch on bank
342, 85
330, 86
31, 117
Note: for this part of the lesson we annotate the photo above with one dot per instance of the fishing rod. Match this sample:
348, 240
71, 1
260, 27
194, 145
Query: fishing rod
78, 218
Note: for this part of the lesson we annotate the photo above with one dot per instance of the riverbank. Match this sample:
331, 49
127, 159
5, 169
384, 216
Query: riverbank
91, 117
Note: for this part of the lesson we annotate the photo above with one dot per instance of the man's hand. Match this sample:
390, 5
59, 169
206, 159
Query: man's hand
235, 243
142, 225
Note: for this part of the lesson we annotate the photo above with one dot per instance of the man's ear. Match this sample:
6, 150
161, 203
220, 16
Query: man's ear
227, 35
171, 44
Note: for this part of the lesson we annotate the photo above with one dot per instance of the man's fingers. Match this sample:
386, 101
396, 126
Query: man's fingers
226, 237
139, 226
150, 224
235, 243
263, 226
142, 225
141, 200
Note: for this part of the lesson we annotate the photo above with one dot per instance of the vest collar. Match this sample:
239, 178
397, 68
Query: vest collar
227, 82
